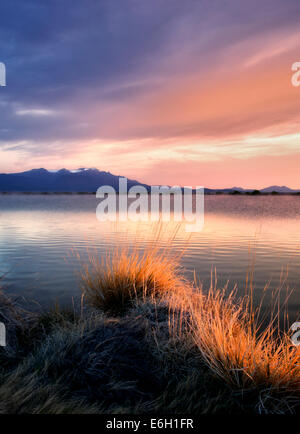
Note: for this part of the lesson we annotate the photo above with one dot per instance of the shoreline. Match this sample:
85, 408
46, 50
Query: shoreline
45, 193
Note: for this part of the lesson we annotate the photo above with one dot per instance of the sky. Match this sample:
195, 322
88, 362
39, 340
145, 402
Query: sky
194, 92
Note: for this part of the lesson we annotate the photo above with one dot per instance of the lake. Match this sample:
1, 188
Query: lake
41, 234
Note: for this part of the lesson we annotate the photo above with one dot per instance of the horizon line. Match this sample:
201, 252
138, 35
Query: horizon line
83, 169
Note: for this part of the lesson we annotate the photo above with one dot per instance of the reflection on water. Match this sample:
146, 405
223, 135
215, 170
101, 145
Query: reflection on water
38, 234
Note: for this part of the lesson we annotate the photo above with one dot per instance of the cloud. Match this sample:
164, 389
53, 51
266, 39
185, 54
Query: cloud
35, 112
154, 83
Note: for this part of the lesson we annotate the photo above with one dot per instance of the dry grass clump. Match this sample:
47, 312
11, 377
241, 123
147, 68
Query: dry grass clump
241, 353
27, 394
99, 364
114, 282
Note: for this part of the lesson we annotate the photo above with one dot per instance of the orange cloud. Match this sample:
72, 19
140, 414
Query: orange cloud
229, 118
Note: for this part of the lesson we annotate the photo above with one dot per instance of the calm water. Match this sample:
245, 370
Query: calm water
40, 233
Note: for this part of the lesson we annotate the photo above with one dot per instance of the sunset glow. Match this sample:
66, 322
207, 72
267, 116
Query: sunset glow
206, 100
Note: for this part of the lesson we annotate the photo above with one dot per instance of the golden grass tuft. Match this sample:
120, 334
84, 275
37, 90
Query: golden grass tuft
239, 351
114, 282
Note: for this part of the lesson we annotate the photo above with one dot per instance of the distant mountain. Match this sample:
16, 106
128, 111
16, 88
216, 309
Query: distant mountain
42, 180
237, 189
282, 189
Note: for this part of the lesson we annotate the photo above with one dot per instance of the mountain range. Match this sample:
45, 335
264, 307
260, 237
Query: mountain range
89, 180
71, 181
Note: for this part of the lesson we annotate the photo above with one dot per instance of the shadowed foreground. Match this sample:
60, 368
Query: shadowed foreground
146, 341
